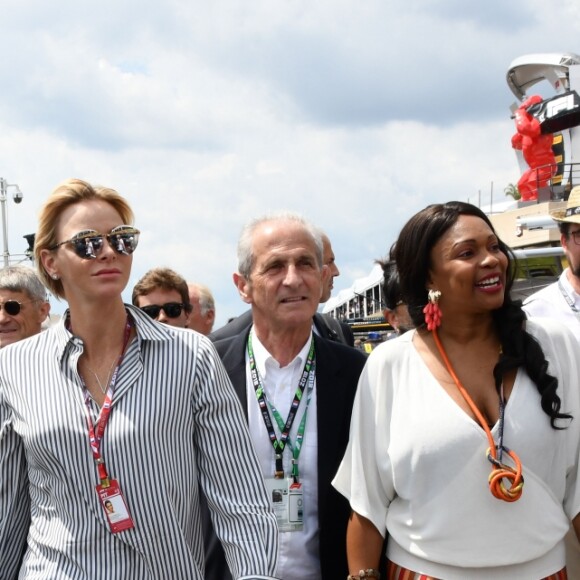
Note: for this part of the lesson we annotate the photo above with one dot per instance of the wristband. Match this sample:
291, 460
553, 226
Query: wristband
368, 573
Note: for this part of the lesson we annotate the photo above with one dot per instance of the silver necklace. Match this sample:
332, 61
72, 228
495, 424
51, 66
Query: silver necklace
103, 389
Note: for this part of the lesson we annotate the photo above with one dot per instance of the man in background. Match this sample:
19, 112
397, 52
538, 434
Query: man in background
342, 330
561, 301
202, 315
396, 312
163, 295
328, 259
23, 304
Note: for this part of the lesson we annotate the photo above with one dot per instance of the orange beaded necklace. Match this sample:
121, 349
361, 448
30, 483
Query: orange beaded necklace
500, 470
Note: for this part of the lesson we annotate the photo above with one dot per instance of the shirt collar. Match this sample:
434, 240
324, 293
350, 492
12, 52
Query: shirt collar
146, 328
568, 287
263, 358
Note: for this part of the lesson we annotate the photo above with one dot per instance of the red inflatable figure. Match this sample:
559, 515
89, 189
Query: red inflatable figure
536, 148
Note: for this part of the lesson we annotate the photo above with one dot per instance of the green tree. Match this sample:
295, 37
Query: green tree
512, 191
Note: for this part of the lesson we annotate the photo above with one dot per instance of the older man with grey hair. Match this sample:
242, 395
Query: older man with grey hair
23, 304
297, 390
323, 324
202, 315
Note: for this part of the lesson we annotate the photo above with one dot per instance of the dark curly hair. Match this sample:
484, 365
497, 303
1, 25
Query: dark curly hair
519, 349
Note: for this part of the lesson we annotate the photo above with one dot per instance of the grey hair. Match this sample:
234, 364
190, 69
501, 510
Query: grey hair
22, 279
320, 232
206, 301
245, 256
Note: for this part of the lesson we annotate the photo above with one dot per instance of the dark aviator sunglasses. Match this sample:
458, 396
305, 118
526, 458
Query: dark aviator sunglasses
88, 244
171, 309
13, 307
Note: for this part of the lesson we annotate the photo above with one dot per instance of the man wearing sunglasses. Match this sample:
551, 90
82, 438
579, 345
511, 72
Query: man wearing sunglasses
163, 295
23, 304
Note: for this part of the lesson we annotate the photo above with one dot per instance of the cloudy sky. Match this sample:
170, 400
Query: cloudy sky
356, 113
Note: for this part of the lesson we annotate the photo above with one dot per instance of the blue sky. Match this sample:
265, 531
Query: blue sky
206, 114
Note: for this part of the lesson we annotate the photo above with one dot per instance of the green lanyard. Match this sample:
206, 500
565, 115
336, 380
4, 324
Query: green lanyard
307, 377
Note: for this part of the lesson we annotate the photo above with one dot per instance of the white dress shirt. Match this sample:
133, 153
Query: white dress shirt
549, 302
298, 555
175, 419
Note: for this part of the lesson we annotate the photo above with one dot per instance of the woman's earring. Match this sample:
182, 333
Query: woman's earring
432, 311
55, 276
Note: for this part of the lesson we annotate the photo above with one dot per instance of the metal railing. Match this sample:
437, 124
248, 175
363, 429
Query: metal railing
559, 186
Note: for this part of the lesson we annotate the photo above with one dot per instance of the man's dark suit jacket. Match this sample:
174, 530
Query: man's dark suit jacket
243, 322
337, 371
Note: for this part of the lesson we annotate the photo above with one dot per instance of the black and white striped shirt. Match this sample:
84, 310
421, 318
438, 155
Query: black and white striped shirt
175, 419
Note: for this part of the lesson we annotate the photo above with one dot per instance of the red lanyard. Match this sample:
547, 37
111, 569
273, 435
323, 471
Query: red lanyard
96, 432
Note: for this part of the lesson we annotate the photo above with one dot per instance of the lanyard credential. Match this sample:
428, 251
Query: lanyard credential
568, 299
97, 430
307, 377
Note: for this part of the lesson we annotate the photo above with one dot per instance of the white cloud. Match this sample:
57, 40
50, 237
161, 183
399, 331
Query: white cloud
206, 114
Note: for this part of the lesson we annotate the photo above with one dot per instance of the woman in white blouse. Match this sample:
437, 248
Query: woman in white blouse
463, 448
110, 408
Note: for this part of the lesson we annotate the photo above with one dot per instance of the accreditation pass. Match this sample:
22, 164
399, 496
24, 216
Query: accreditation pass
287, 502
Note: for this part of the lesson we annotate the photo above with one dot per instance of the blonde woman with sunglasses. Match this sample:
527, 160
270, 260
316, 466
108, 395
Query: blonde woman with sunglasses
110, 408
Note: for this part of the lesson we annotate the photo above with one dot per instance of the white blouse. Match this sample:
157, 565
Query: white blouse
416, 466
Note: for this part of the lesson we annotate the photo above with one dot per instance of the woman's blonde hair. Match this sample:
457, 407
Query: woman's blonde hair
63, 196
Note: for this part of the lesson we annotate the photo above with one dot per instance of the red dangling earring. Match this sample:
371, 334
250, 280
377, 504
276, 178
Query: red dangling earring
432, 311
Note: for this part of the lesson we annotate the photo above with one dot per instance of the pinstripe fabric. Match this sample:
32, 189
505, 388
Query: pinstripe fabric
175, 418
